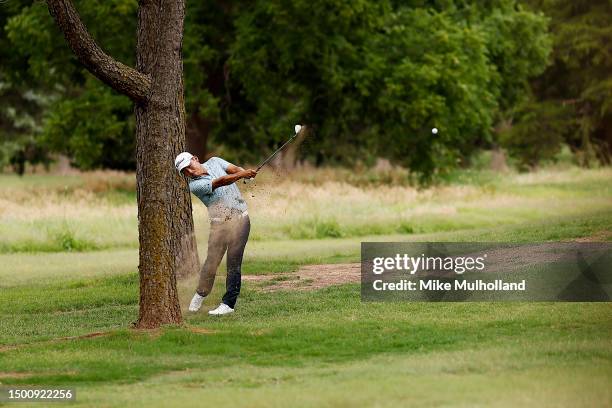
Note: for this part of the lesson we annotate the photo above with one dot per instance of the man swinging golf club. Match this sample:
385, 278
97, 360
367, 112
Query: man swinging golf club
213, 182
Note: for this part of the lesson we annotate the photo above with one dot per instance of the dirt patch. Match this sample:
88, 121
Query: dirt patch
309, 277
28, 374
601, 236
15, 374
51, 341
84, 336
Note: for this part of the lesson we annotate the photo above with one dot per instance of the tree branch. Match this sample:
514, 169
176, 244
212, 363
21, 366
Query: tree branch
120, 77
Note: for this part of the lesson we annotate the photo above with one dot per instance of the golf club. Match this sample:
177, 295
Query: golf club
298, 129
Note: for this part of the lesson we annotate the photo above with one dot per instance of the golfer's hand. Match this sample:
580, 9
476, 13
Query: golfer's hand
249, 173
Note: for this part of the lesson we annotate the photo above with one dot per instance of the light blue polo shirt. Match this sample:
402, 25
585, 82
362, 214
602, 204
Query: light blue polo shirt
222, 200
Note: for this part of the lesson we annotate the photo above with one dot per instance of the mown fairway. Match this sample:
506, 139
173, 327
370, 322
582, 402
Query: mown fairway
68, 268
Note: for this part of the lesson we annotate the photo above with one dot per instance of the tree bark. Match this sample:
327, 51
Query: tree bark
167, 243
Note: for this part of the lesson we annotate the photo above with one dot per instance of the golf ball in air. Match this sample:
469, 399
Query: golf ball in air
297, 129
434, 131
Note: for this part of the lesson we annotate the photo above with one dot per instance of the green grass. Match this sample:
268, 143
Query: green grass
324, 347
283, 346
460, 378
20, 269
295, 342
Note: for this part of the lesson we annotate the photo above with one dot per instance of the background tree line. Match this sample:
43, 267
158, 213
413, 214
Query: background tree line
371, 77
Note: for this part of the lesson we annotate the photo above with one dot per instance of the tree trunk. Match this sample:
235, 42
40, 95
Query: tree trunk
165, 221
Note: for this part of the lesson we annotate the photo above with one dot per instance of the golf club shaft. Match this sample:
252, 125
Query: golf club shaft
263, 163
275, 152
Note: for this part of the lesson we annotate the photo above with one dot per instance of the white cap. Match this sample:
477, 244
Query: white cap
182, 160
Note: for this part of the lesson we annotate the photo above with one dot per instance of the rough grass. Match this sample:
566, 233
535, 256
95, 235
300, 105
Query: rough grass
317, 348
95, 211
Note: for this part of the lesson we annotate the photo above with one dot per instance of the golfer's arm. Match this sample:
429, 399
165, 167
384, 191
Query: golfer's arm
233, 169
226, 180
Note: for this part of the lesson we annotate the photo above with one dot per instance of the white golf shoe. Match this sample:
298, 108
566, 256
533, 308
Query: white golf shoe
222, 309
196, 303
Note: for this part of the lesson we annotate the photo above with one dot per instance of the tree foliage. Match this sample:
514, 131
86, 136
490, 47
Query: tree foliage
371, 77
375, 77
575, 92
22, 104
90, 123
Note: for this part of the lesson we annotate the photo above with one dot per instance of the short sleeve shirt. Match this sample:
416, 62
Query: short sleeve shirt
222, 200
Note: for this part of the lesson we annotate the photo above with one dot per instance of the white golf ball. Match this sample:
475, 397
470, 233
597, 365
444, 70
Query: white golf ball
297, 129
434, 131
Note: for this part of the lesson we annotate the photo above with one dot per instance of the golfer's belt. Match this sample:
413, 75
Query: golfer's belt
230, 216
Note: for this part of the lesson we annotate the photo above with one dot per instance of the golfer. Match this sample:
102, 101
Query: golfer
213, 182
